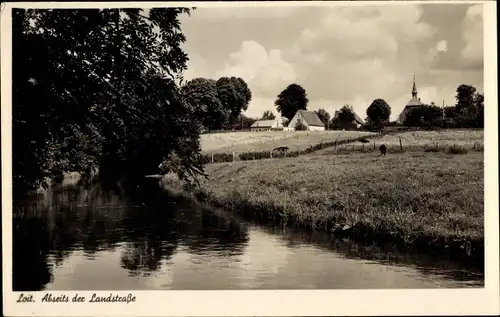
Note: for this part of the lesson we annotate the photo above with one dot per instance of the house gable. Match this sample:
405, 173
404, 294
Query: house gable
308, 118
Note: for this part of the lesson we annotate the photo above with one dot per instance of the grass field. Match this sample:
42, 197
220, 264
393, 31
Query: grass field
240, 142
408, 196
419, 141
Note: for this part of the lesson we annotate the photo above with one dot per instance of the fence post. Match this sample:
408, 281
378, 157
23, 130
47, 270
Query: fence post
374, 145
271, 153
212, 157
363, 148
400, 144
234, 156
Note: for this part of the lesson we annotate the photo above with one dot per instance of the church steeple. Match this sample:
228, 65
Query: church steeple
414, 90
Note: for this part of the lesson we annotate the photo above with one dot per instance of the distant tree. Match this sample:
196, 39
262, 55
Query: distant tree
202, 95
324, 116
344, 118
234, 95
465, 98
290, 100
268, 115
346, 114
426, 115
379, 112
241, 122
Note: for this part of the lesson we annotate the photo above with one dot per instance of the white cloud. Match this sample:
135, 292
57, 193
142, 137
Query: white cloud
266, 73
196, 67
341, 54
472, 26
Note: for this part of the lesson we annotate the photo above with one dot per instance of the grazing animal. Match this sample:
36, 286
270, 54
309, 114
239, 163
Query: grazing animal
281, 149
383, 149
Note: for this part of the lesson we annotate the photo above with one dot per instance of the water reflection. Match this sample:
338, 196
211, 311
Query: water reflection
428, 264
93, 236
142, 221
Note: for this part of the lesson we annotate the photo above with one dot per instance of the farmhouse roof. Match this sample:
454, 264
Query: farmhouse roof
311, 118
264, 124
414, 102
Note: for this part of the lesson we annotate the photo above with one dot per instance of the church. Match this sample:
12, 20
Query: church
413, 103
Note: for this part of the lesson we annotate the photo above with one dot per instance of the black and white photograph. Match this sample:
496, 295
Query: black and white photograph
237, 147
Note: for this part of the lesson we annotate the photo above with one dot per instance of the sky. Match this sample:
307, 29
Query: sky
340, 54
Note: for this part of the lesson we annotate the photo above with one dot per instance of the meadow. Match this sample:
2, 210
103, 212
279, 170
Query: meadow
240, 142
435, 141
424, 198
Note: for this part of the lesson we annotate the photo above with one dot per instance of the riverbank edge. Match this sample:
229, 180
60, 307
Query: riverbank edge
458, 248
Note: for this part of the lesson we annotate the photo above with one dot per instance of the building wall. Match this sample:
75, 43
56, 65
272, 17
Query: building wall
260, 129
313, 128
295, 119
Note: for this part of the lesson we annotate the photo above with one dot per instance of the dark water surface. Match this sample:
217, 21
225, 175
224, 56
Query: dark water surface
73, 237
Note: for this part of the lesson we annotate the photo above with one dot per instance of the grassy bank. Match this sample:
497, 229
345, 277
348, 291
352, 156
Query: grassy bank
426, 199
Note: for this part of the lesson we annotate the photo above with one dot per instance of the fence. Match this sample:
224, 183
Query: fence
266, 154
342, 146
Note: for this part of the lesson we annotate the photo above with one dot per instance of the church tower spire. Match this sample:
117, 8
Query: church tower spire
414, 90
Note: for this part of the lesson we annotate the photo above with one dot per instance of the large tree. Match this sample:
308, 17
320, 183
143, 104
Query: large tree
344, 119
202, 95
87, 75
324, 116
290, 100
379, 112
234, 95
465, 98
268, 115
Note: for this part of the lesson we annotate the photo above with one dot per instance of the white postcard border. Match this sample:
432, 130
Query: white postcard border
269, 303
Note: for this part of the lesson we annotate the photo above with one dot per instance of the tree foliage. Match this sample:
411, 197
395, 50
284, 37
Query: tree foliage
299, 126
268, 115
234, 95
324, 116
97, 88
218, 103
379, 112
290, 100
344, 118
468, 112
241, 122
202, 95
465, 98
425, 115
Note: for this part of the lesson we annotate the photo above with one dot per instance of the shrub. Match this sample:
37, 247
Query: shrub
455, 149
433, 148
300, 126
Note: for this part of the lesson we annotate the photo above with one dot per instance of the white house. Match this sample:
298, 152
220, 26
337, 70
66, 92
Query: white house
266, 125
309, 119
